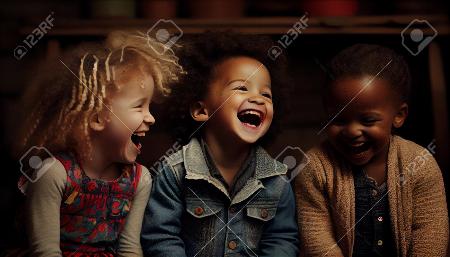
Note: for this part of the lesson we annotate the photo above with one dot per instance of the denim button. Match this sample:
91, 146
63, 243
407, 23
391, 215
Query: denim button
198, 211
232, 245
264, 213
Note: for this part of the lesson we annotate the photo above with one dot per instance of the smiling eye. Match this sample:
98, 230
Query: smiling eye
241, 88
267, 95
368, 121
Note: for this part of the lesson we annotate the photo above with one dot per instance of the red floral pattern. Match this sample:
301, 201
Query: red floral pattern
93, 212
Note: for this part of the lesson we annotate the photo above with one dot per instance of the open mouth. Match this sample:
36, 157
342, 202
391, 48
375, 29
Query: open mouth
251, 118
136, 139
359, 147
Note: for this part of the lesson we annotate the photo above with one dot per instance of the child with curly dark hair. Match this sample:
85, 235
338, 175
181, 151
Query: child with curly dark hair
222, 194
366, 191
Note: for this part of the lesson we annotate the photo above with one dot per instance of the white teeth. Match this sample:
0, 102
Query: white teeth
142, 134
251, 112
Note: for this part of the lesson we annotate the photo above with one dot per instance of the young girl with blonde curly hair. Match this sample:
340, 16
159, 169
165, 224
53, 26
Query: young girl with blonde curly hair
90, 110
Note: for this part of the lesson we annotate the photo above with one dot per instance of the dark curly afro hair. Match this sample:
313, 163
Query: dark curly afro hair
199, 56
365, 59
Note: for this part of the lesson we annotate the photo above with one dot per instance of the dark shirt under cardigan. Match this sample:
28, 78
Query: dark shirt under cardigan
373, 234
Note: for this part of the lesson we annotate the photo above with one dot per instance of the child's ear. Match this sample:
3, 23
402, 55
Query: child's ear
97, 121
401, 115
199, 112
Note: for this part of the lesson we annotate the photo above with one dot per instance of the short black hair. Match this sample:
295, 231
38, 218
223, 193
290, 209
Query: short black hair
368, 59
199, 55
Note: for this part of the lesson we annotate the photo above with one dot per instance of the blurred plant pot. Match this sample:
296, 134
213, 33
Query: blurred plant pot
330, 7
113, 8
217, 8
158, 9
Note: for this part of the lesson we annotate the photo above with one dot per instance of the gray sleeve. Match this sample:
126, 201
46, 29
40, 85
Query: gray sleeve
129, 241
43, 207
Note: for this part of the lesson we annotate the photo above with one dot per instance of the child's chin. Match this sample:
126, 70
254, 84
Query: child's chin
129, 158
250, 136
358, 161
247, 138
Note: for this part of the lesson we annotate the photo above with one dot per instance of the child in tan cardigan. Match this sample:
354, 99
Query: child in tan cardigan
367, 192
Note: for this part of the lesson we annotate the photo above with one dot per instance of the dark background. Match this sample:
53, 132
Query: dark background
332, 26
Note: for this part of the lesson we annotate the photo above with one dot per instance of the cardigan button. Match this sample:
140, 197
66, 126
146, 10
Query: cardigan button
232, 245
374, 192
198, 211
380, 219
380, 242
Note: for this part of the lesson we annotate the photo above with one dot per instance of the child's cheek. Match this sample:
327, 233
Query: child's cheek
332, 132
118, 131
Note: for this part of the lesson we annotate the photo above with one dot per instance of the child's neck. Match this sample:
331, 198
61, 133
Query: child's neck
377, 167
227, 155
97, 165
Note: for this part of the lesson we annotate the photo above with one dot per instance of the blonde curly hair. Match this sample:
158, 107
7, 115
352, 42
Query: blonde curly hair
67, 91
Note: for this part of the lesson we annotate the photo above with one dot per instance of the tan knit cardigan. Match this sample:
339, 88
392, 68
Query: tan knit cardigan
326, 203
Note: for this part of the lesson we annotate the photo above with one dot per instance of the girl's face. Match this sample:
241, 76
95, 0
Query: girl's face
361, 132
239, 100
129, 114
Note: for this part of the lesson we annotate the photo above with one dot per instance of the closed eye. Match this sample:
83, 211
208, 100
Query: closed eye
240, 88
368, 121
267, 95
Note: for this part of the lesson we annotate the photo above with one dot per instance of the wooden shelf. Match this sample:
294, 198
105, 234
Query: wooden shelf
376, 25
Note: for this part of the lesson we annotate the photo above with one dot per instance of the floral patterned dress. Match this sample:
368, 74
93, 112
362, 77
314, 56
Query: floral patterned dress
93, 212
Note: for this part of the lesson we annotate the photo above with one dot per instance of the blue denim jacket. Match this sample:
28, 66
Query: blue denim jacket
190, 213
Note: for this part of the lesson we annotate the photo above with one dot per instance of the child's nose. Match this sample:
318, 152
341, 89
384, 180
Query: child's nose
148, 118
256, 100
352, 130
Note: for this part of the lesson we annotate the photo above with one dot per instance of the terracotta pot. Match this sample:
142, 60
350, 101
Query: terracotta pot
330, 7
158, 9
217, 8
113, 8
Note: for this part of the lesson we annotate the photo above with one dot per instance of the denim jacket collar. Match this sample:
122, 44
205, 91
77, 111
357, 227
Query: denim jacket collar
197, 168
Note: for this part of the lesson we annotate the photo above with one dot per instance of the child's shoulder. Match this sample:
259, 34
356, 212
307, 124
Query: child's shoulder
51, 173
175, 158
414, 158
323, 154
405, 146
172, 165
145, 179
264, 159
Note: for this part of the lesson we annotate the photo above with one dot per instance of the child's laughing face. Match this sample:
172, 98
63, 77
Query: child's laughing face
238, 103
361, 132
129, 117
